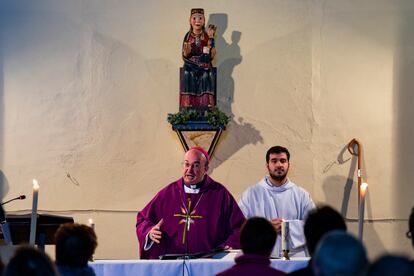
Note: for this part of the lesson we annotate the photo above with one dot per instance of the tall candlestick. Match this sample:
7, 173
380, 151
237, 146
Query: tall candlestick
285, 242
91, 224
362, 193
33, 221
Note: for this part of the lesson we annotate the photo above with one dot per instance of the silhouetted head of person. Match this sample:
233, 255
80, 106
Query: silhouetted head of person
75, 244
28, 261
410, 232
339, 253
320, 221
257, 236
389, 265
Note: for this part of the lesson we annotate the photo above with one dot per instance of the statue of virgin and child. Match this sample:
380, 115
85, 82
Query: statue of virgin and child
198, 76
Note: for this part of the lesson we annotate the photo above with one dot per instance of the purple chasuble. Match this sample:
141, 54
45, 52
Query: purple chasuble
250, 264
219, 224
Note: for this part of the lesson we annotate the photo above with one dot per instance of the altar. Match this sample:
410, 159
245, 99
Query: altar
193, 267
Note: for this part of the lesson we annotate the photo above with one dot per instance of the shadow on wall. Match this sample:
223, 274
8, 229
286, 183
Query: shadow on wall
403, 173
347, 201
238, 133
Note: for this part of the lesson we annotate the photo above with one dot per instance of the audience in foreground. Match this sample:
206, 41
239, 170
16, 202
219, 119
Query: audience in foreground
319, 221
75, 246
28, 261
257, 239
339, 253
390, 265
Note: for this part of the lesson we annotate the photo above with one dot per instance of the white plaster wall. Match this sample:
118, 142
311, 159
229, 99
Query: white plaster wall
86, 86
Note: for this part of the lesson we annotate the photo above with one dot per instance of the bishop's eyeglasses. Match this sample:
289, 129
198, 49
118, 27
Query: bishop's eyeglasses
195, 165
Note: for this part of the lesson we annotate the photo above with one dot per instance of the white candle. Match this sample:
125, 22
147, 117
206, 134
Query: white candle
91, 224
33, 221
363, 189
285, 231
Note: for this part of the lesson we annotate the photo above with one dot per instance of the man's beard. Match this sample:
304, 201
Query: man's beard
277, 177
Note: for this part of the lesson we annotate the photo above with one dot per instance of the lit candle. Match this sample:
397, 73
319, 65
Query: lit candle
285, 233
91, 224
363, 189
33, 221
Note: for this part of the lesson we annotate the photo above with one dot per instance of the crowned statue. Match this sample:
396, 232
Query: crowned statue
198, 76
199, 121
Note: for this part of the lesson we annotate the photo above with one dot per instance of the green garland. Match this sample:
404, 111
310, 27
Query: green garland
213, 116
183, 117
216, 117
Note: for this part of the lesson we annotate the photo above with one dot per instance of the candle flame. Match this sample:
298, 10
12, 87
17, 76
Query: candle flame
364, 186
35, 184
90, 221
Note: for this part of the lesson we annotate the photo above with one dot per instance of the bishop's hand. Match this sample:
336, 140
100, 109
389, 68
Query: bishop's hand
155, 233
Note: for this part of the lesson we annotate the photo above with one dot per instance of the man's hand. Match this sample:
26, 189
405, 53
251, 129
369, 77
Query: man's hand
155, 233
277, 224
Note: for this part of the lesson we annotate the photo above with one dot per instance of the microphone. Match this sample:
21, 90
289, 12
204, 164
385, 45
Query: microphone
20, 197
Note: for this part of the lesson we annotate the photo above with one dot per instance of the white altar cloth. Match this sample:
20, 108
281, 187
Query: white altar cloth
194, 267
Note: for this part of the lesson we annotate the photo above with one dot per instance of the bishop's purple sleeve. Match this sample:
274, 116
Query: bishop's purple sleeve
143, 226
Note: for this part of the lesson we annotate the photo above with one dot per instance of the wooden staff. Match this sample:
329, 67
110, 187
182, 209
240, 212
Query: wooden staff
358, 154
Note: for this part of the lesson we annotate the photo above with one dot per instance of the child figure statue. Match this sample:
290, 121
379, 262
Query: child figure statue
198, 76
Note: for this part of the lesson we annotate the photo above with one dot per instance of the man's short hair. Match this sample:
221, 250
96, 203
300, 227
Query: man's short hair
27, 260
277, 150
320, 221
339, 253
75, 244
257, 236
